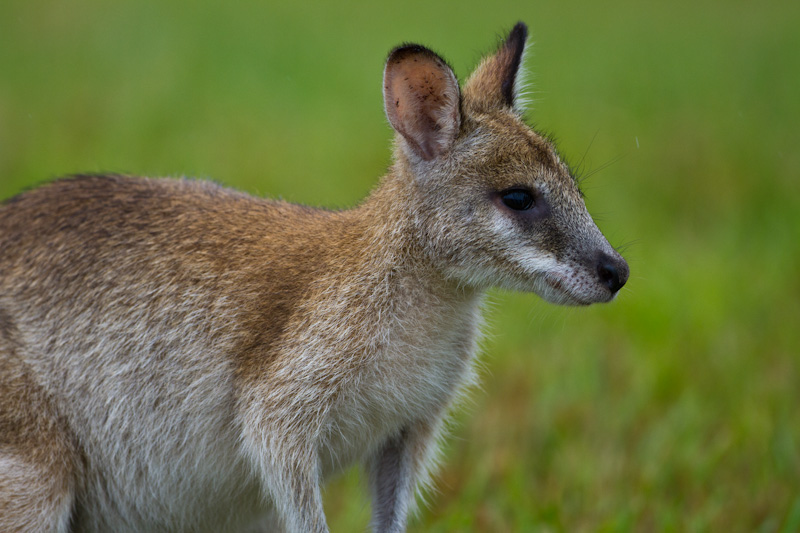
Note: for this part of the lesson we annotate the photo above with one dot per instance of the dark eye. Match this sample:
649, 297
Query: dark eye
518, 199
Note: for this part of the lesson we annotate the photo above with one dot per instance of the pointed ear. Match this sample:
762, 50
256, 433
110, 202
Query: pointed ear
422, 100
494, 85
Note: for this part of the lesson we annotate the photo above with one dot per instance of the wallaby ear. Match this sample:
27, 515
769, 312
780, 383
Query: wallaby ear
494, 85
422, 100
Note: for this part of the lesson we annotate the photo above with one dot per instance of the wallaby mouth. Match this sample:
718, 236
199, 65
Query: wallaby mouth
562, 294
586, 284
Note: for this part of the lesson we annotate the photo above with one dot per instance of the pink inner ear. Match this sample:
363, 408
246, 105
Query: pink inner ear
421, 99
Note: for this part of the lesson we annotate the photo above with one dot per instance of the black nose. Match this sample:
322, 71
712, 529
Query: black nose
613, 271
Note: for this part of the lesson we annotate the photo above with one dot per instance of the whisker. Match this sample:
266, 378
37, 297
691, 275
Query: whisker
604, 166
624, 247
579, 169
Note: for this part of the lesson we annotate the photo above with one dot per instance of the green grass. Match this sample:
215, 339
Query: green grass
676, 408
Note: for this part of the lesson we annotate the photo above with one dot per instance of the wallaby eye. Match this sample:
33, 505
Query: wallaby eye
518, 199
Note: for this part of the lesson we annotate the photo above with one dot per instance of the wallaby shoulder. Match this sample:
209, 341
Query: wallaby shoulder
106, 246
108, 208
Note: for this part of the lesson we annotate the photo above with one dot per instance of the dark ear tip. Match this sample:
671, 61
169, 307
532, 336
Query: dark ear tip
518, 34
513, 48
407, 49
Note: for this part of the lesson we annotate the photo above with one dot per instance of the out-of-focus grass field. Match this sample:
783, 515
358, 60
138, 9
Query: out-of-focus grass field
677, 407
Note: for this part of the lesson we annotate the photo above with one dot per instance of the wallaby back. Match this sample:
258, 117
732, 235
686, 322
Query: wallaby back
178, 356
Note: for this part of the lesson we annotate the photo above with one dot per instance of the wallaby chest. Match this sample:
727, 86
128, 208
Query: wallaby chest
419, 357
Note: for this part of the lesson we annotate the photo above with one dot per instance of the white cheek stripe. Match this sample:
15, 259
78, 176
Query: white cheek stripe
533, 261
538, 262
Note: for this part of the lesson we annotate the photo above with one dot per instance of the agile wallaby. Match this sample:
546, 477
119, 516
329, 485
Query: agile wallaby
177, 356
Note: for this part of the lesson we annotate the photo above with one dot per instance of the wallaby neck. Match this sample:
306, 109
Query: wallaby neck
386, 244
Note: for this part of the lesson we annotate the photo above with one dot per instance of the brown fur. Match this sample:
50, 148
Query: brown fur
178, 356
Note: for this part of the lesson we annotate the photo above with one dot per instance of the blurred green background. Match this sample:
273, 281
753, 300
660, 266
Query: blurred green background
676, 408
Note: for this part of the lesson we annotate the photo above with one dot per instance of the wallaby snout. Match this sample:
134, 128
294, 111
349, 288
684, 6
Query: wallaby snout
177, 356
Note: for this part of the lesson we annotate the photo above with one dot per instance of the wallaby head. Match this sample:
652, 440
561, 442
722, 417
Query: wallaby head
493, 202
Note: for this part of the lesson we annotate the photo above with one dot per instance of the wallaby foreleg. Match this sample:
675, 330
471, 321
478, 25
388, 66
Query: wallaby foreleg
394, 472
293, 482
288, 465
